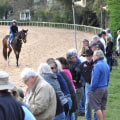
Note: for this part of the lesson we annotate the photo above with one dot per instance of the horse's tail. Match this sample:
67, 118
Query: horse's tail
5, 53
5, 46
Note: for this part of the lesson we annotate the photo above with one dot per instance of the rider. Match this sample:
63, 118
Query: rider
13, 32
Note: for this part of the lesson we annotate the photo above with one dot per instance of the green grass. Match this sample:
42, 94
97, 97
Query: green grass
113, 102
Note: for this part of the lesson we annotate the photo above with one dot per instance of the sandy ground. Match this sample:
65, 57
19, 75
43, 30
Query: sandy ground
42, 43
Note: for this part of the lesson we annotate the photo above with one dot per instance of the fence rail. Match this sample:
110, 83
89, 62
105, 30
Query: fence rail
94, 30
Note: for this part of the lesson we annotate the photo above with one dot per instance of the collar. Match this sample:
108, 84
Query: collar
98, 60
35, 84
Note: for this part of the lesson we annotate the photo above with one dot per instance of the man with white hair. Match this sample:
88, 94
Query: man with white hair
99, 83
40, 98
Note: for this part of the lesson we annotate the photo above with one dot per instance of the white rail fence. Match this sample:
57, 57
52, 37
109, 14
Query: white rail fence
94, 30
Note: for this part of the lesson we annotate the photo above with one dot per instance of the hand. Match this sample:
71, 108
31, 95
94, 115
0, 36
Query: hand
74, 81
91, 91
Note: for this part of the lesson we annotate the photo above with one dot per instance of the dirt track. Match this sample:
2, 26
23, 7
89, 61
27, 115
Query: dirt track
42, 43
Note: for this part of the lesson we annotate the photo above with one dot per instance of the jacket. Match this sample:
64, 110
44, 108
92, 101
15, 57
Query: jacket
10, 109
100, 75
75, 71
109, 49
13, 29
41, 100
52, 79
63, 84
67, 72
72, 92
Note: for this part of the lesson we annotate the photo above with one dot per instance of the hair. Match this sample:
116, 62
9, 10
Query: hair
17, 94
85, 40
83, 50
108, 30
53, 62
108, 39
95, 38
99, 35
118, 32
64, 62
44, 68
50, 59
99, 53
103, 32
28, 72
59, 66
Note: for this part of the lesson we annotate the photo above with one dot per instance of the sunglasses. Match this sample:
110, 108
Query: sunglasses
52, 68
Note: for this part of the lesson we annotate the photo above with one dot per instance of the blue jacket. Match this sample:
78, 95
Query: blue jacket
13, 29
63, 84
100, 75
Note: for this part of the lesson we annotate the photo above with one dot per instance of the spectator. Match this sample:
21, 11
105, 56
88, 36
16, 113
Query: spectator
10, 109
85, 70
109, 51
100, 44
16, 94
99, 84
65, 69
85, 42
73, 102
94, 46
75, 71
109, 34
118, 42
103, 35
103, 40
62, 83
40, 98
45, 71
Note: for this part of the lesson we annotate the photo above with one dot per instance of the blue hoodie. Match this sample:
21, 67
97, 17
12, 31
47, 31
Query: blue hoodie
100, 75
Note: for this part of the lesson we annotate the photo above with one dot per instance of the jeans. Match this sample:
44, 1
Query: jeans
82, 101
88, 110
109, 62
61, 116
78, 97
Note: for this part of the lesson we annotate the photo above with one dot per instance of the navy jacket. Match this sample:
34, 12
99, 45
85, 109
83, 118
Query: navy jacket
10, 109
13, 29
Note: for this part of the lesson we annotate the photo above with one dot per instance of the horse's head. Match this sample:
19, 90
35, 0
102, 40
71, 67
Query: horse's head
24, 35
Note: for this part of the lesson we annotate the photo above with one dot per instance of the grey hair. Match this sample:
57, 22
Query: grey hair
28, 72
95, 38
59, 66
44, 68
99, 53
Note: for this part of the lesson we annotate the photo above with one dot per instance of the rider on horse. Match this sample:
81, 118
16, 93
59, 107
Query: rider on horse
13, 32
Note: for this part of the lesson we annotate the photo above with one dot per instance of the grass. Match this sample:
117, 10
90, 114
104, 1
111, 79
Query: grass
113, 102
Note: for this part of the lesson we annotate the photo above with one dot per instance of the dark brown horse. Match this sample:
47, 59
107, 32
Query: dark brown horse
16, 45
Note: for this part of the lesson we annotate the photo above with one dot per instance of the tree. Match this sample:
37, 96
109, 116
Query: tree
114, 17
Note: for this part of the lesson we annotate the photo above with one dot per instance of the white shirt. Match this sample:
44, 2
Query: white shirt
117, 44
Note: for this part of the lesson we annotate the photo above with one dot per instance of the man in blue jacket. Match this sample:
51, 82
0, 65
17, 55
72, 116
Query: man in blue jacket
13, 32
99, 84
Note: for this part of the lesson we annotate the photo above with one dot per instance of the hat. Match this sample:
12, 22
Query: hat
71, 53
103, 32
14, 21
94, 44
5, 84
85, 40
88, 52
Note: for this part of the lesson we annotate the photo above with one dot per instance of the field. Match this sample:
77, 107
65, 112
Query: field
42, 43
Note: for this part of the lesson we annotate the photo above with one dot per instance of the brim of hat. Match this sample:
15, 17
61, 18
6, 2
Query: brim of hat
8, 86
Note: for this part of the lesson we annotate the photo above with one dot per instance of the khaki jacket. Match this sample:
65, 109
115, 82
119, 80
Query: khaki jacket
42, 100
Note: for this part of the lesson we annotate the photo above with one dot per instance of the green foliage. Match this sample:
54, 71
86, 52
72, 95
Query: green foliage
114, 15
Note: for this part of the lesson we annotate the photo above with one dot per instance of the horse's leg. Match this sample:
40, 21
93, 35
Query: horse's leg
17, 58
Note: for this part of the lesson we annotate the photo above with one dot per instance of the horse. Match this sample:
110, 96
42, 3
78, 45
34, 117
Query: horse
16, 45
